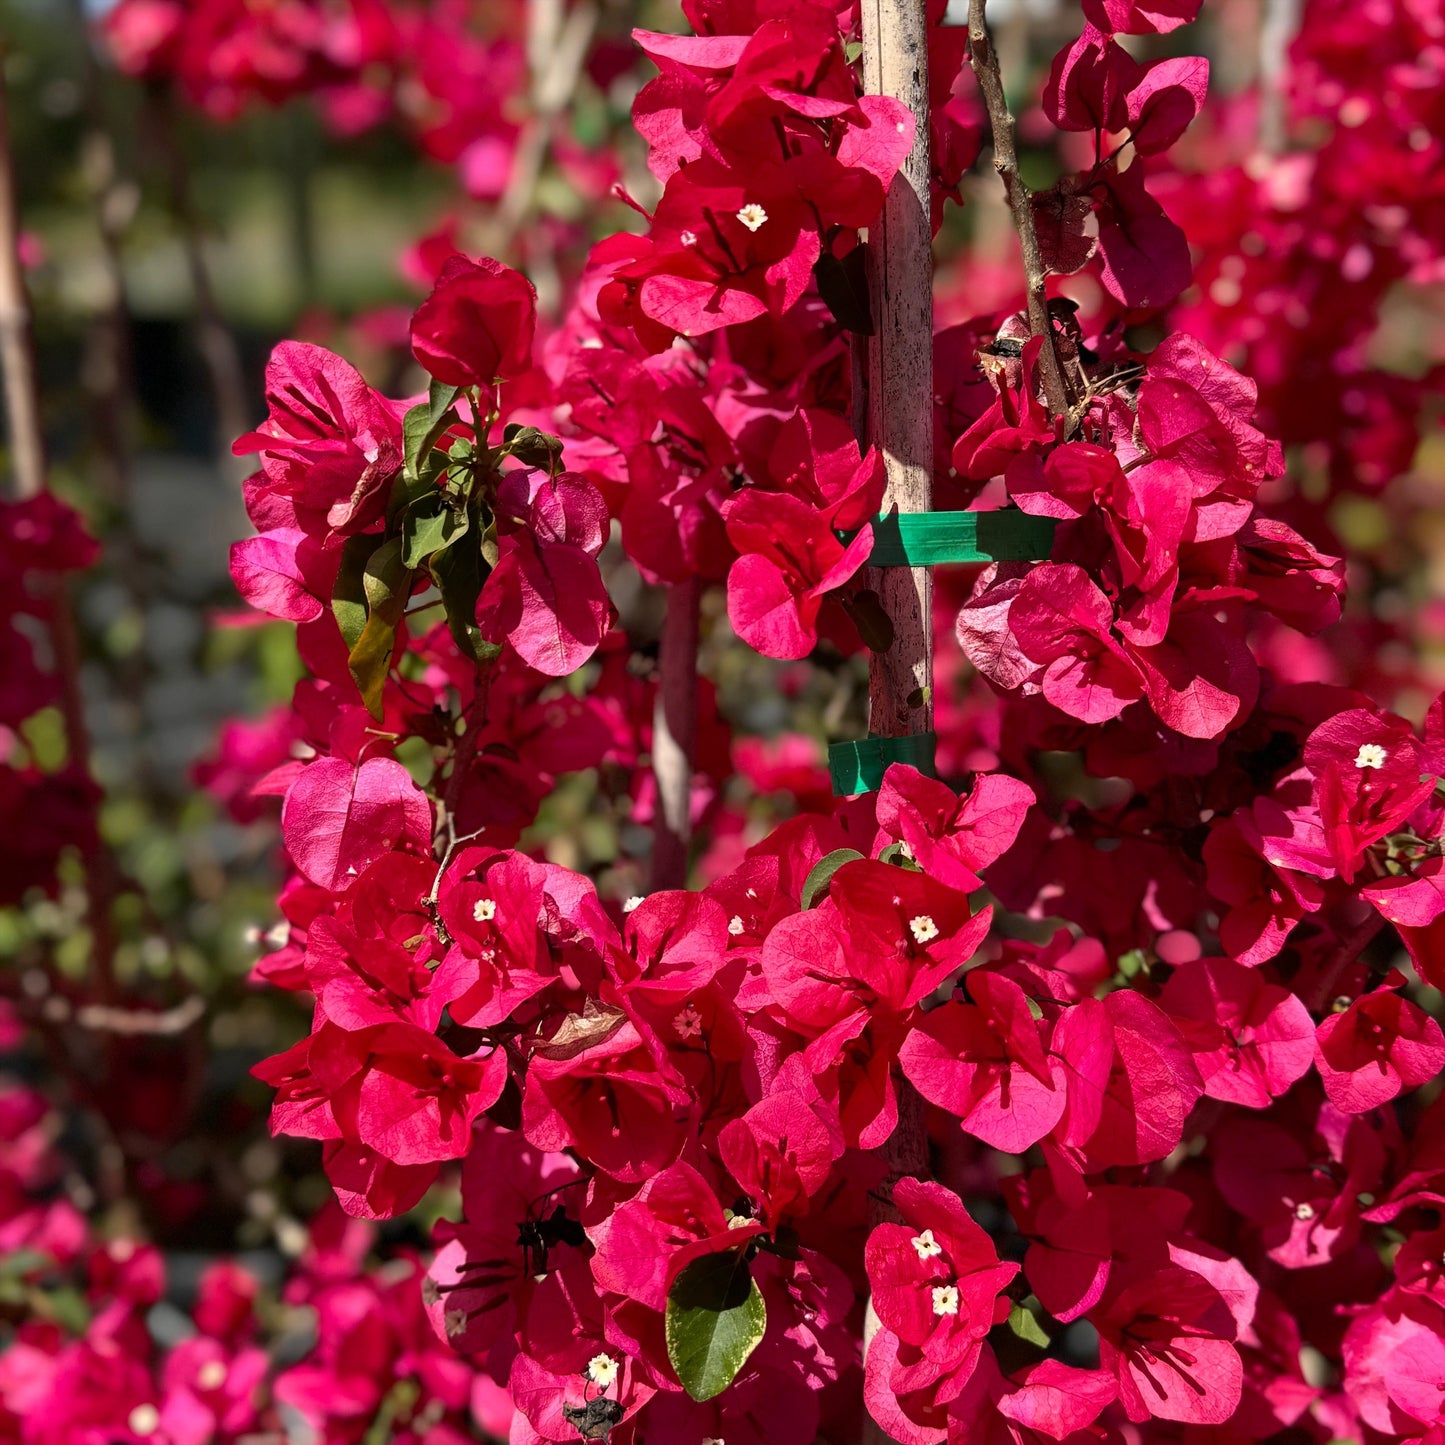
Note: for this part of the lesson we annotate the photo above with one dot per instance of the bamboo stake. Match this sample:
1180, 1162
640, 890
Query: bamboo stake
899, 413
674, 735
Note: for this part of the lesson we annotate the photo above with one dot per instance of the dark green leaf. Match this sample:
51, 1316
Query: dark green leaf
459, 573
817, 881
874, 624
348, 597
715, 1319
843, 285
533, 446
898, 855
430, 525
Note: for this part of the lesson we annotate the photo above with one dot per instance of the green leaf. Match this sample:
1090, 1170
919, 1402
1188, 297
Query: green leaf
843, 285
431, 525
386, 581
459, 573
715, 1319
440, 396
1023, 1322
815, 885
348, 597
532, 445
898, 855
20, 1262
422, 428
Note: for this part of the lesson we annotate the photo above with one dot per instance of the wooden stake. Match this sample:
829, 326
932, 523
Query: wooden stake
899, 412
900, 366
674, 735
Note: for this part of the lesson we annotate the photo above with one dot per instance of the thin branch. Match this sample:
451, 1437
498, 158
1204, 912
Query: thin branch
557, 50
674, 736
17, 337
984, 60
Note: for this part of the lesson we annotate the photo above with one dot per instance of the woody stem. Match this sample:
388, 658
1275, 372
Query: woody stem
984, 59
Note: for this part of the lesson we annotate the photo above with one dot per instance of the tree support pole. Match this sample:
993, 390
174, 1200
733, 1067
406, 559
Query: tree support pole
899, 412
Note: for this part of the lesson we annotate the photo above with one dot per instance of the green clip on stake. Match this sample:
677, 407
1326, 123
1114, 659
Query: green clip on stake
859, 767
926, 539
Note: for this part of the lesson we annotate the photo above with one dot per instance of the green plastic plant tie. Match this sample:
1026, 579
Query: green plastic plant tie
926, 539
858, 767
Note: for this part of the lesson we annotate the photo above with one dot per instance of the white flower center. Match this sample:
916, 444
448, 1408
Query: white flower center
485, 910
945, 1299
923, 928
735, 924
211, 1375
144, 1420
688, 238
753, 216
602, 1371
1370, 755
688, 1023
926, 1245
1304, 1211
632, 903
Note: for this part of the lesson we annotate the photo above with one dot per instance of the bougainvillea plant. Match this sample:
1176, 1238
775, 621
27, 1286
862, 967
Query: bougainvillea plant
1149, 968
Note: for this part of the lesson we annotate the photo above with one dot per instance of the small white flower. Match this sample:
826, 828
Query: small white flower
945, 1299
735, 924
602, 1371
1370, 755
688, 1023
485, 910
1304, 1212
688, 238
923, 928
753, 216
211, 1375
632, 903
144, 1420
926, 1245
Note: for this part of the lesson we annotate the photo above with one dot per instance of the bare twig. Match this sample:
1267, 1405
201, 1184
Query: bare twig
984, 60
557, 51
674, 735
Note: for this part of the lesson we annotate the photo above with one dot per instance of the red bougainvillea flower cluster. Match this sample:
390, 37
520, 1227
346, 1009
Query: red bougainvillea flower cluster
1133, 976
770, 158
44, 809
86, 1367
